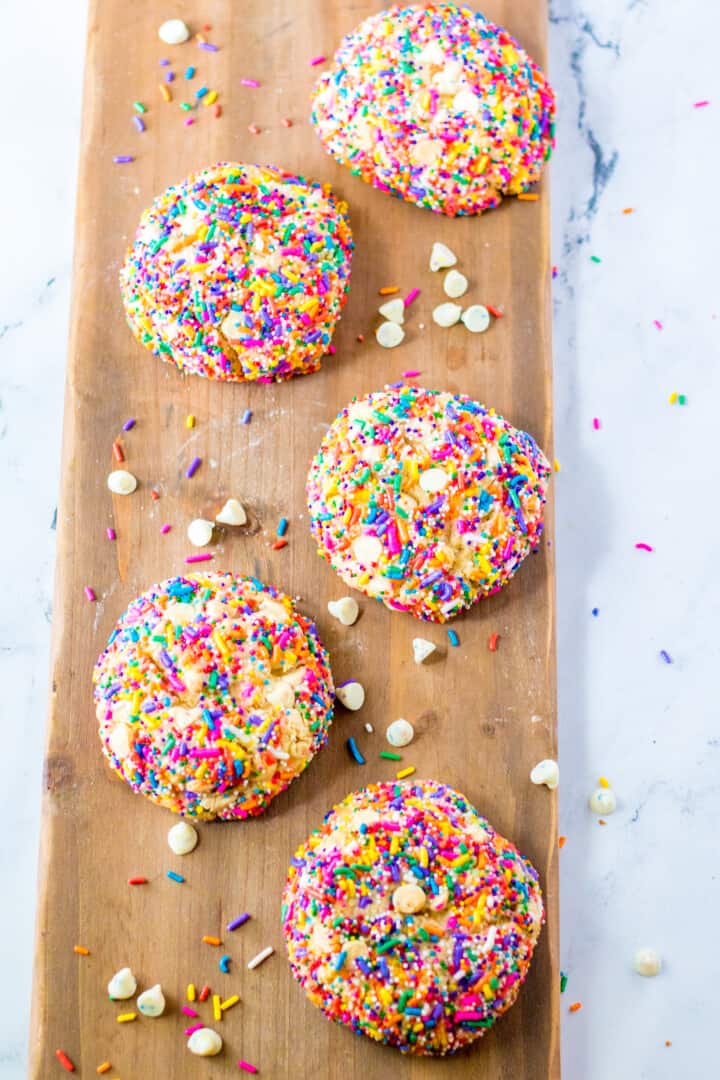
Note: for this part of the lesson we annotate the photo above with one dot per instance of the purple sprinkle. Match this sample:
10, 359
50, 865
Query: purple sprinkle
164, 63
208, 47
237, 923
193, 467
122, 159
246, 417
169, 76
666, 656
128, 425
138, 123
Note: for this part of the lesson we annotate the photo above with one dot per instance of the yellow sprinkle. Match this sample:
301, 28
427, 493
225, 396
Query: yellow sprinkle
602, 782
556, 465
229, 1002
673, 398
211, 98
217, 1011
167, 96
105, 1067
125, 1018
405, 772
191, 992
221, 644
189, 420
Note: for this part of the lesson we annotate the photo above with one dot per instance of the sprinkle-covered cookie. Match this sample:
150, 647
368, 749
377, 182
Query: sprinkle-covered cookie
239, 273
437, 105
212, 695
426, 500
409, 919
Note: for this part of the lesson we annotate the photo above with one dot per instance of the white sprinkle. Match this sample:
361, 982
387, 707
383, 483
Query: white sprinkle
205, 1042
400, 733
200, 532
351, 695
182, 838
546, 772
261, 957
174, 32
447, 314
122, 985
455, 284
393, 310
603, 801
369, 728
389, 334
344, 610
232, 513
441, 257
152, 1002
121, 482
422, 648
476, 318
647, 962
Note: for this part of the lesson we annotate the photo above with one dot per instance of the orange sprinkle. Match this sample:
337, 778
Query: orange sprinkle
105, 1067
388, 290
279, 544
286, 121
218, 110
575, 1007
64, 1060
167, 96
118, 451
601, 821
211, 940
493, 642
495, 312
200, 39
562, 840
528, 196
155, 495
253, 129
629, 210
668, 1043
81, 950
204, 993
360, 338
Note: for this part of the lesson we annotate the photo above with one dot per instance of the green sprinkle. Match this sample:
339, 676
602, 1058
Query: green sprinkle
595, 259
389, 944
139, 107
681, 399
563, 982
390, 756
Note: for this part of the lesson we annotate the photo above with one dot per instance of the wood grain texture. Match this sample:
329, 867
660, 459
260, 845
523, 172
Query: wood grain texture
483, 718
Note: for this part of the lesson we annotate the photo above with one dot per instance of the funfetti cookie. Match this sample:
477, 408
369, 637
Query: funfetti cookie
409, 919
437, 105
239, 273
212, 695
425, 500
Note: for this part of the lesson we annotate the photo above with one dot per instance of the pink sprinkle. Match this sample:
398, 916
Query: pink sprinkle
412, 295
700, 104
657, 324
596, 423
199, 558
317, 60
644, 547
189, 1012
189, 121
110, 534
331, 350
90, 594
411, 374
195, 1027
166, 529
246, 1066
211, 752
249, 82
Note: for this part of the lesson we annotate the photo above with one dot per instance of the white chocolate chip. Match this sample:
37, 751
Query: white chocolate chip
448, 79
389, 334
351, 695
393, 310
409, 899
432, 53
447, 314
200, 532
152, 1002
174, 32
232, 513
603, 801
455, 284
122, 985
422, 648
400, 733
466, 102
367, 549
546, 772
182, 838
345, 610
205, 1042
434, 480
476, 318
425, 151
441, 257
121, 482
647, 962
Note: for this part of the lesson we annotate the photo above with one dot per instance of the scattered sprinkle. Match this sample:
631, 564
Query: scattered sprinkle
64, 1060
90, 594
190, 420
493, 642
556, 465
495, 312
246, 417
657, 324
81, 950
575, 1007
137, 881
596, 423
137, 122
187, 1011
644, 547
282, 526
454, 639
129, 424
237, 923
412, 295
250, 82
229, 1002
596, 612
405, 772
562, 840
317, 60
208, 940
105, 1067
224, 964
166, 529
167, 96
528, 196
217, 1014
204, 993
279, 544
563, 982
354, 751
700, 104
261, 957
254, 129
595, 259
190, 992
126, 1018
247, 1067
629, 210
388, 290
204, 557
193, 467
173, 876
665, 655
286, 122
122, 159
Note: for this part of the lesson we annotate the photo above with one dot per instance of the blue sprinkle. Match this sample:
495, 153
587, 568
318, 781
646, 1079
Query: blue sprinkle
224, 965
340, 960
454, 639
282, 527
596, 611
246, 416
189, 73
666, 656
353, 748
175, 877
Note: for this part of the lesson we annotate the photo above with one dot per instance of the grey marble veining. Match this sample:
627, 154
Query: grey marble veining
627, 74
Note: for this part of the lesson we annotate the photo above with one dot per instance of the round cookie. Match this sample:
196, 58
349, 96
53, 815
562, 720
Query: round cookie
239, 273
409, 919
212, 695
426, 500
437, 105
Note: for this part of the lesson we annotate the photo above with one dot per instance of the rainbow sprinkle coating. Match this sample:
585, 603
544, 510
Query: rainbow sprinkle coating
426, 500
239, 273
437, 105
212, 695
409, 919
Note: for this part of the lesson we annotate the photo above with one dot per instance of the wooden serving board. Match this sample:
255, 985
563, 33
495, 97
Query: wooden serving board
483, 718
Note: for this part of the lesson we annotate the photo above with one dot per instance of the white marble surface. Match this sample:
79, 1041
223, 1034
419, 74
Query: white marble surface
627, 73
